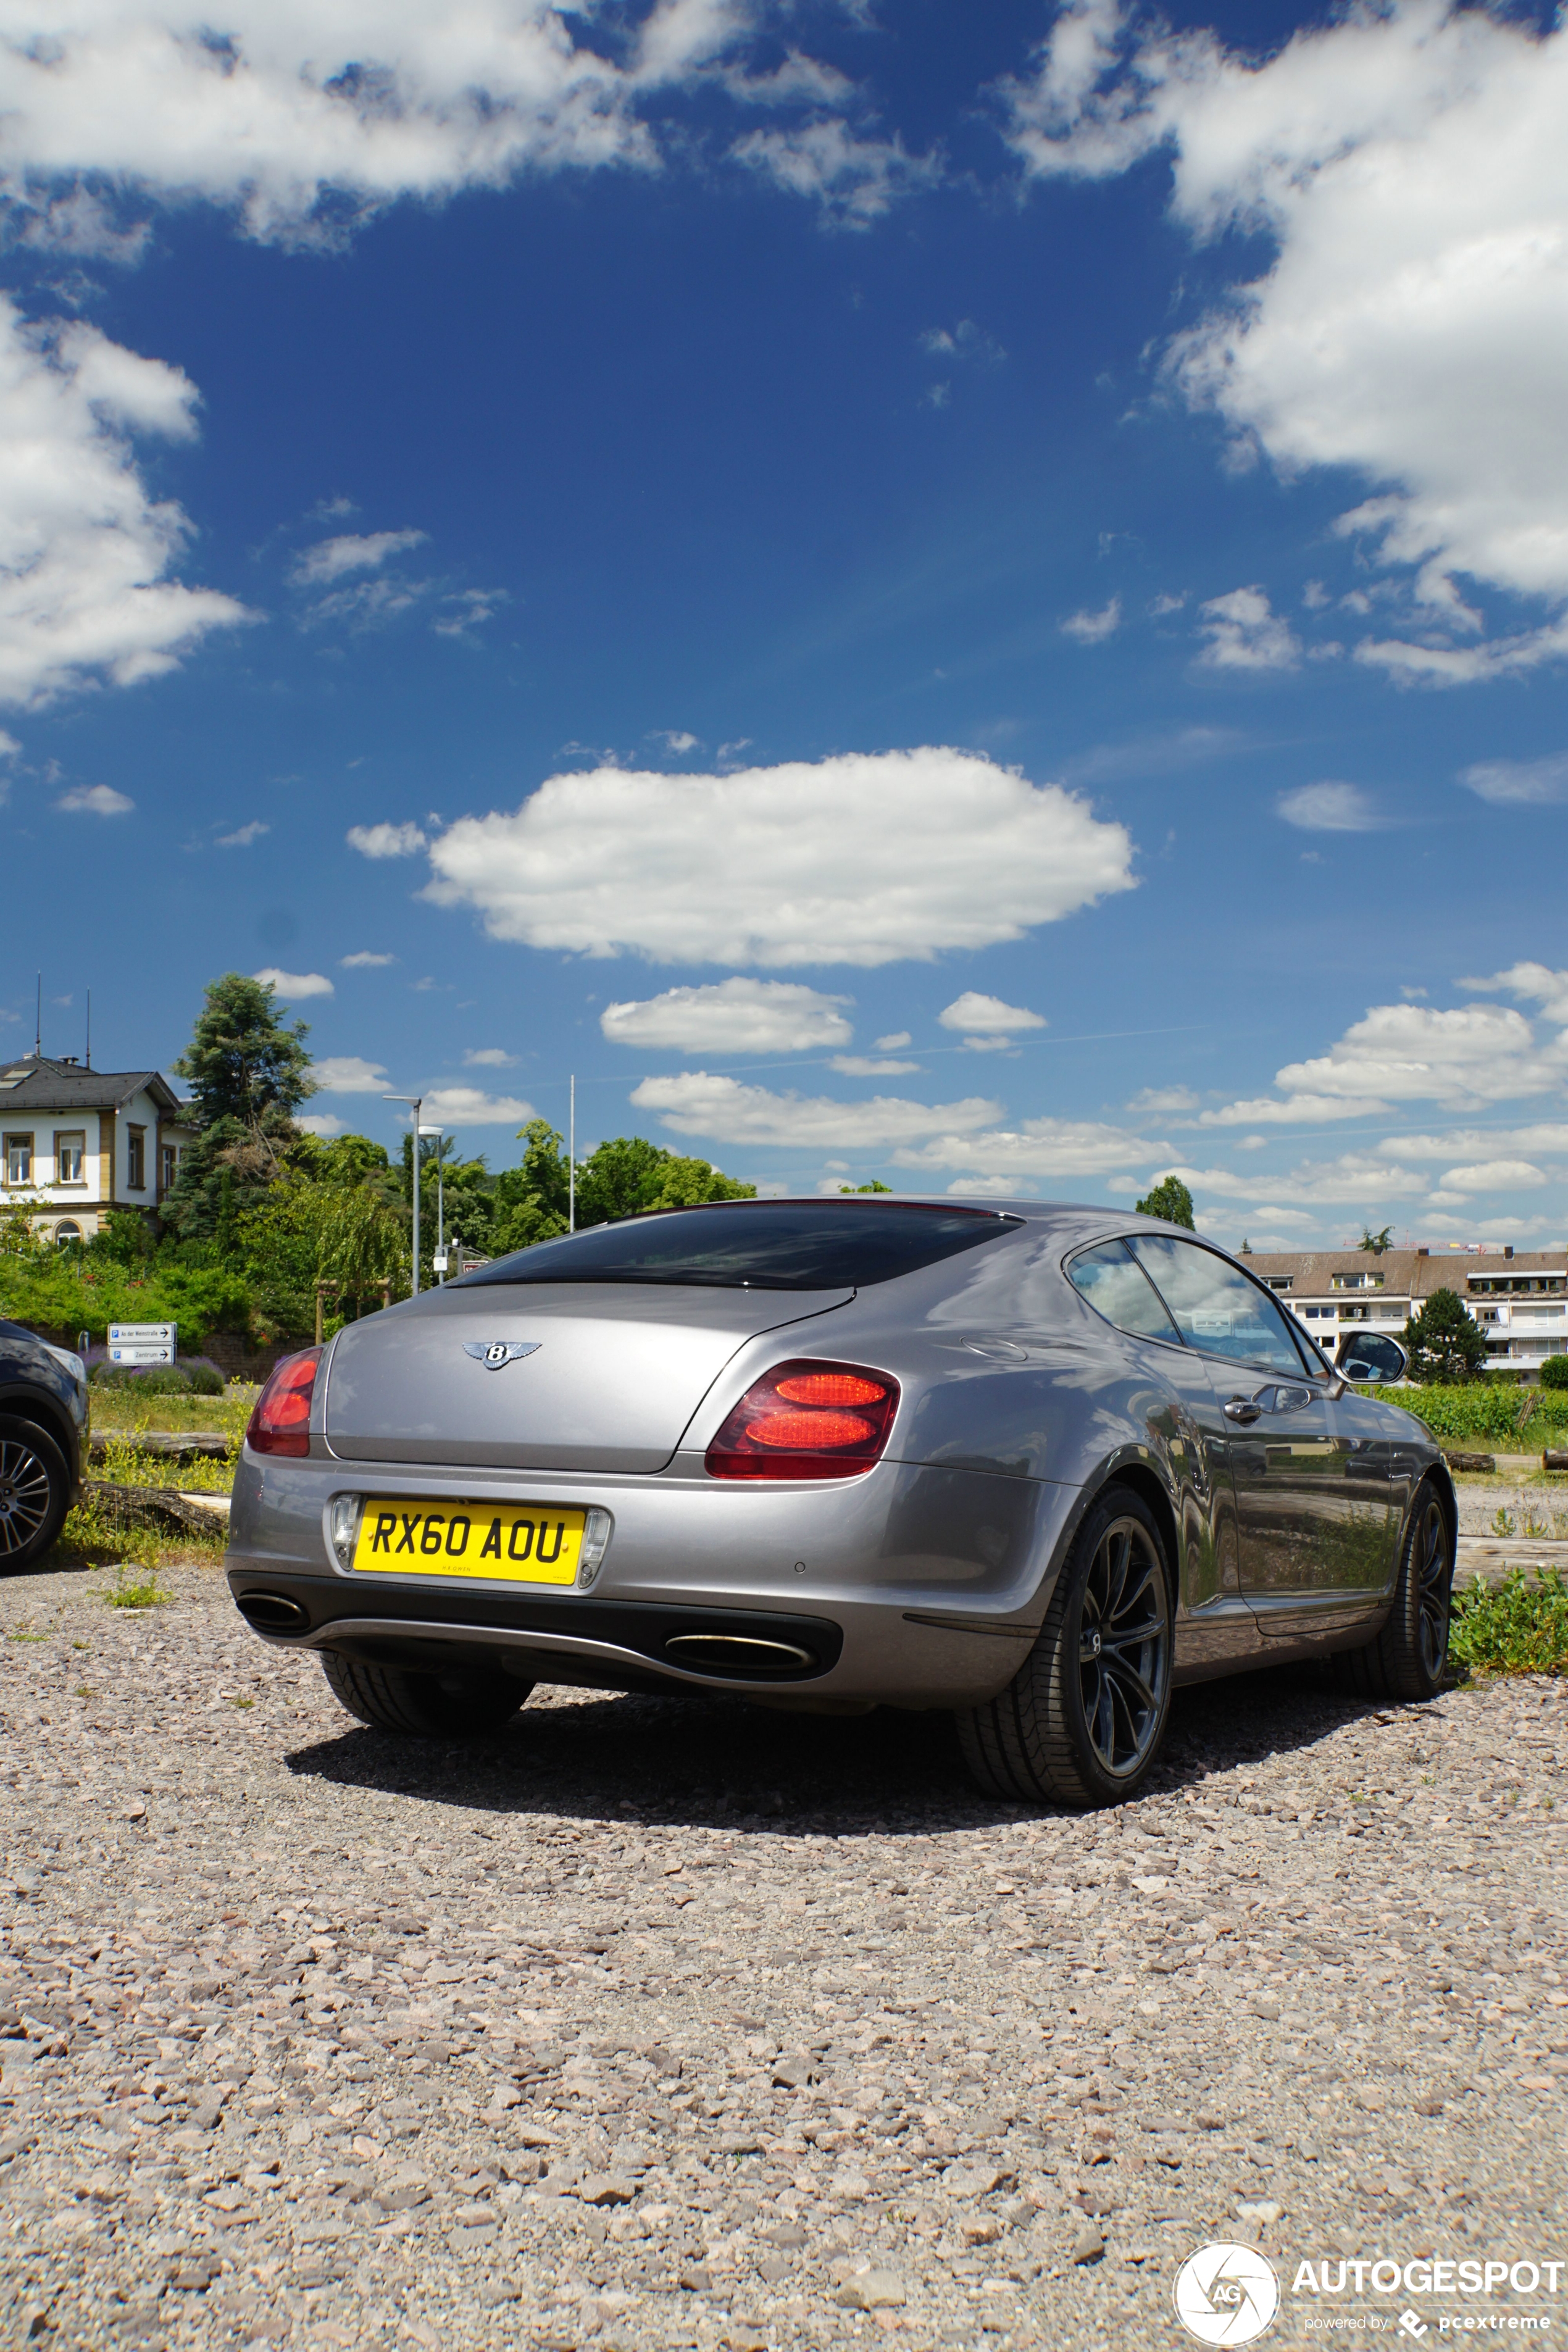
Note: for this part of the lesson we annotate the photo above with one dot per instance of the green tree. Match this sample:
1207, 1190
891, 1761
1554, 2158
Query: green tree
876, 1185
1554, 1373
531, 1199
249, 1071
1376, 1243
1445, 1343
1169, 1199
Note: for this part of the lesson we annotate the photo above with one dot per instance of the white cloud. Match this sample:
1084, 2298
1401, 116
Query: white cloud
273, 107
85, 549
1544, 1137
364, 959
1409, 1053
1535, 983
488, 1058
1493, 1176
1092, 628
1519, 784
1038, 1147
893, 1041
325, 1123
1354, 1177
244, 836
1331, 808
293, 984
695, 1103
988, 1015
1163, 1102
1408, 163
347, 1074
853, 180
735, 1016
871, 1066
1244, 632
466, 1106
675, 739
862, 858
331, 559
385, 840
96, 799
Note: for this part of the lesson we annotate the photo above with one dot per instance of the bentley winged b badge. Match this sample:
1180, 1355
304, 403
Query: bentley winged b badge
494, 1353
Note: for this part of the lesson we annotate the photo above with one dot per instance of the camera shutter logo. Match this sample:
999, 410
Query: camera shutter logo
496, 1354
1226, 2294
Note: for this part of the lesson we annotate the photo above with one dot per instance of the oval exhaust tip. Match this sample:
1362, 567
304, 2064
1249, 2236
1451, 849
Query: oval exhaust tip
273, 1613
717, 1652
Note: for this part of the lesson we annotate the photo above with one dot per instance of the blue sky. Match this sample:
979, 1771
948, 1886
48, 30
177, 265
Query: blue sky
1037, 533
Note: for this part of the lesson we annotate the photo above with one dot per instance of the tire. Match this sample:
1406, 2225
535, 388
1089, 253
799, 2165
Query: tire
1083, 1719
425, 1707
1407, 1659
34, 1492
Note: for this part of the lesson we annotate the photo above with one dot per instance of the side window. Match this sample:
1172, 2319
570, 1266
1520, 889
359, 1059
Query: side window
1214, 1306
1116, 1287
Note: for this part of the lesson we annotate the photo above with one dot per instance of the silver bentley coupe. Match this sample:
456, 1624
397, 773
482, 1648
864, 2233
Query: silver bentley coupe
1035, 1464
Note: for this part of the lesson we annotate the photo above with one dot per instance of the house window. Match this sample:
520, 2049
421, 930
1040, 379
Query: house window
136, 1159
168, 1160
68, 1230
18, 1159
1358, 1281
1280, 1281
70, 1154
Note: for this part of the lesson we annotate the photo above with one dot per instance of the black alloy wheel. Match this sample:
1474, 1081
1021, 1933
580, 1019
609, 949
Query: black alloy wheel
34, 1492
1124, 1648
1409, 1657
1082, 1720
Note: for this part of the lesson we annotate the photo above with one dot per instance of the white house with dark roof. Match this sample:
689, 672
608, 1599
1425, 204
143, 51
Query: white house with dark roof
76, 1142
1519, 1297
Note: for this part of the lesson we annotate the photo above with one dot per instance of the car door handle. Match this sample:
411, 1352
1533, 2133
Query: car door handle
1244, 1409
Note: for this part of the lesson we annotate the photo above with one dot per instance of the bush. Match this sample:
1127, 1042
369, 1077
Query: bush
1554, 1373
194, 1378
1513, 1628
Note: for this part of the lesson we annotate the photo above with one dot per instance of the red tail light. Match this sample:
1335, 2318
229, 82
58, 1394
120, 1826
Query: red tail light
280, 1422
806, 1420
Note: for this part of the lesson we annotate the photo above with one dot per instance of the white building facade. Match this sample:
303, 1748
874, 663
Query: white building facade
76, 1142
1519, 1297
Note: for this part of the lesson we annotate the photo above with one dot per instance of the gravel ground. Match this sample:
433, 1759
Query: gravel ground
690, 2024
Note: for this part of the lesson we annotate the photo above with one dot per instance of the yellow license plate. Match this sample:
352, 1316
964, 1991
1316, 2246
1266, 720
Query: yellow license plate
523, 1543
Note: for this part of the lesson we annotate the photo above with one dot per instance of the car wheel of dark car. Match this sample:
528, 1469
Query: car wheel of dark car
1081, 1722
448, 1707
1407, 1659
34, 1492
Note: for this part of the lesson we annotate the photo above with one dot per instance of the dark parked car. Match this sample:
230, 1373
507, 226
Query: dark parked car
43, 1432
1032, 1464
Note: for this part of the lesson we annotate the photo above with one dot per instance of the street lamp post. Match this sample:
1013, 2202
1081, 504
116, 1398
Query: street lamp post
418, 1103
440, 1198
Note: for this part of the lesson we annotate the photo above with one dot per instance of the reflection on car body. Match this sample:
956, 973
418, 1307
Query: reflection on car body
1033, 1463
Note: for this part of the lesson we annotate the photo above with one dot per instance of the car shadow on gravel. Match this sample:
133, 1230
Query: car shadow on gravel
720, 1763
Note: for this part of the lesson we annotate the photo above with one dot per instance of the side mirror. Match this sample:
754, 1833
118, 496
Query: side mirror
1372, 1356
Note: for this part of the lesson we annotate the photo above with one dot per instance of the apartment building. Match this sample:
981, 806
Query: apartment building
1519, 1297
76, 1142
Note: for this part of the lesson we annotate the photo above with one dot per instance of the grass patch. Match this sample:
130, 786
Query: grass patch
116, 1409
1518, 1627
146, 1592
93, 1537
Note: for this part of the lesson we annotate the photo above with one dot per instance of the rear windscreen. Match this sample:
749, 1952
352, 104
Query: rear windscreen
757, 1245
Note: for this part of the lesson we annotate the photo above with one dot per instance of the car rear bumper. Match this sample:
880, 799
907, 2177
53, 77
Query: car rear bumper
911, 1586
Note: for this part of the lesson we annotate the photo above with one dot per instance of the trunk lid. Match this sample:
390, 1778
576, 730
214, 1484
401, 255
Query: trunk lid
614, 1372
